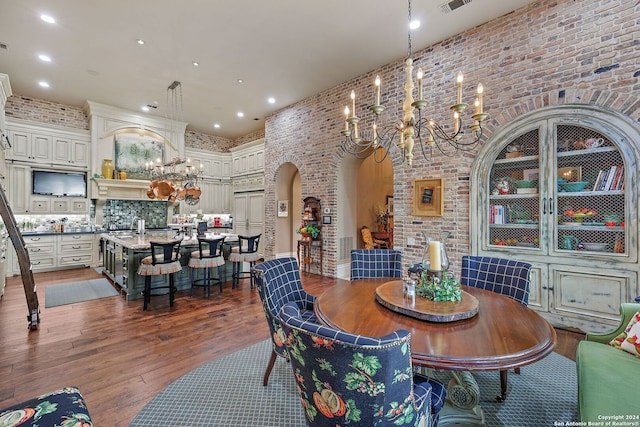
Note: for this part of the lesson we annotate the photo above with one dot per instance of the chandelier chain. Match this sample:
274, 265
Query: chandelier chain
409, 32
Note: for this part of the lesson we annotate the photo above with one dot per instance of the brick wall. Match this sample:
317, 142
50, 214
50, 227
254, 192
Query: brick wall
548, 53
52, 113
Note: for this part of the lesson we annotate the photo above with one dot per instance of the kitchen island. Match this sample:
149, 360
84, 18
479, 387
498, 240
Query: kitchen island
122, 252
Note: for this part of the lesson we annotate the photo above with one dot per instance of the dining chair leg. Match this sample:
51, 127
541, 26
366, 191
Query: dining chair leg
207, 278
272, 362
503, 385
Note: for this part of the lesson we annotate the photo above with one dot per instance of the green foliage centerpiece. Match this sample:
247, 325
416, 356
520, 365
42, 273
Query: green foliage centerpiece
438, 286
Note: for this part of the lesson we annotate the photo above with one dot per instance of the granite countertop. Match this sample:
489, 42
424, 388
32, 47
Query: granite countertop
132, 240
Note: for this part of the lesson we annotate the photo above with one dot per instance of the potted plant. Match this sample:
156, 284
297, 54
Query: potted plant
309, 230
436, 288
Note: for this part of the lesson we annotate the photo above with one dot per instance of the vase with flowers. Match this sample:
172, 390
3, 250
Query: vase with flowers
382, 219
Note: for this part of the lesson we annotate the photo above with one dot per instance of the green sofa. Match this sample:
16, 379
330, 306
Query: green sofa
607, 376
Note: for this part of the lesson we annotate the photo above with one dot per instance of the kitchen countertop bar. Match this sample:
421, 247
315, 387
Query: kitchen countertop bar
122, 252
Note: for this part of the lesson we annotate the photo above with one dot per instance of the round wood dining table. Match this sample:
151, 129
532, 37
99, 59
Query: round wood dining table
503, 334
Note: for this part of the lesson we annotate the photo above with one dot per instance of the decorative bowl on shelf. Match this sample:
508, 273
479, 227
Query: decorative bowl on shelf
572, 187
595, 247
525, 183
612, 218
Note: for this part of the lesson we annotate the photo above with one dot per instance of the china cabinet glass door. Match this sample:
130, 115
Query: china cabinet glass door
590, 192
516, 192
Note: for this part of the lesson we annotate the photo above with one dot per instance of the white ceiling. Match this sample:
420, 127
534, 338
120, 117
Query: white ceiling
288, 49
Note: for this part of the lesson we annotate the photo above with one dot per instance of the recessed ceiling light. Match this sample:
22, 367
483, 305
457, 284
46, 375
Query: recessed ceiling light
415, 24
44, 58
240, 114
43, 84
140, 42
240, 81
145, 108
48, 19
195, 63
216, 125
271, 100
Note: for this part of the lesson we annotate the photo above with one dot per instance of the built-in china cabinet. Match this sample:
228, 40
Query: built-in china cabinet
558, 188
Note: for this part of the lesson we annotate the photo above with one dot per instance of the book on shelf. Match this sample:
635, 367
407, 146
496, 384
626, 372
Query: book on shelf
618, 179
596, 184
610, 176
497, 214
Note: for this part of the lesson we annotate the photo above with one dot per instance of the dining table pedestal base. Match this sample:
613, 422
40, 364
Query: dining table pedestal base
463, 397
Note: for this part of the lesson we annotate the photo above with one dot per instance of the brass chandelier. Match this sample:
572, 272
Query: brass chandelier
427, 132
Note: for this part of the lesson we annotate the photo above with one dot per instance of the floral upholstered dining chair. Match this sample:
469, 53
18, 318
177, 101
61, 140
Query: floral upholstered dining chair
278, 282
356, 380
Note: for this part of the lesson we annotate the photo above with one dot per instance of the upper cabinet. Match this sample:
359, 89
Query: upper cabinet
558, 188
248, 166
34, 143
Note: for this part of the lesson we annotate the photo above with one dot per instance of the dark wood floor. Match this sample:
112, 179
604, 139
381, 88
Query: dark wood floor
120, 356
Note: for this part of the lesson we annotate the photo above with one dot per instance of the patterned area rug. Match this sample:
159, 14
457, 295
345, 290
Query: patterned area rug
229, 392
84, 290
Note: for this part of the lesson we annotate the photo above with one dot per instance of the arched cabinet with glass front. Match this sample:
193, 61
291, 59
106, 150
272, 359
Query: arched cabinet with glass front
558, 188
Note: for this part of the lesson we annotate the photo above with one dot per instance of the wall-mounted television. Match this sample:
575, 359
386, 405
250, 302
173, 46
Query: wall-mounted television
59, 184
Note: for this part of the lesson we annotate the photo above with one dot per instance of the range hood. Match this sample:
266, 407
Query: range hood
125, 189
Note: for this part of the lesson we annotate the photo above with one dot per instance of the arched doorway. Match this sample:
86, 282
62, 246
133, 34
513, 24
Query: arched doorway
288, 200
363, 188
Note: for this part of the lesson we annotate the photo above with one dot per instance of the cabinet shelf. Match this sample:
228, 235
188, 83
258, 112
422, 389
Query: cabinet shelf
585, 152
517, 160
591, 193
598, 228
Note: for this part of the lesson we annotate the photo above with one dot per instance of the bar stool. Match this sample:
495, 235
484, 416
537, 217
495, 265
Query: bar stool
208, 255
164, 259
246, 251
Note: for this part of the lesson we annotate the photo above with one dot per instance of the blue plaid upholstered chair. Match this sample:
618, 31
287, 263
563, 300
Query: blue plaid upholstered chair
502, 276
278, 282
356, 380
367, 263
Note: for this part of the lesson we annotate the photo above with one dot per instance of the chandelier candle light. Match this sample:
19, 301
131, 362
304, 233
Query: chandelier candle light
412, 129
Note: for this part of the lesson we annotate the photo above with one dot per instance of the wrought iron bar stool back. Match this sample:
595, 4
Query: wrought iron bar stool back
246, 251
164, 259
208, 256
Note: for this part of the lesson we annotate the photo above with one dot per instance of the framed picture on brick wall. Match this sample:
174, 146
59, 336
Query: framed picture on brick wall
428, 197
283, 208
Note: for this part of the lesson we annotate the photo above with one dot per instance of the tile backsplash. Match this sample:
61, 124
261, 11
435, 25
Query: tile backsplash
121, 213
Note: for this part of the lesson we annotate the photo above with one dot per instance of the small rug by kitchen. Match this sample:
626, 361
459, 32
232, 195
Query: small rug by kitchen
229, 392
83, 290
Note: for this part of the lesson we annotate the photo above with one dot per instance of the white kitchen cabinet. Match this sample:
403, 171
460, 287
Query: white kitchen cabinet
248, 158
582, 243
248, 214
52, 252
19, 188
71, 151
29, 147
36, 143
